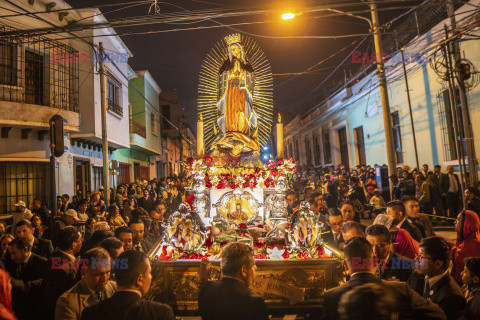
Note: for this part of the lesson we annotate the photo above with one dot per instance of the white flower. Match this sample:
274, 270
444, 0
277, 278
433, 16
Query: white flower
275, 253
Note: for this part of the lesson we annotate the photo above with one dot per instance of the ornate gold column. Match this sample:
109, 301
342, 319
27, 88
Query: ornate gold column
200, 148
280, 153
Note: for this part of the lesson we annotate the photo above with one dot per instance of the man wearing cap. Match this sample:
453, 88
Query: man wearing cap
21, 212
69, 218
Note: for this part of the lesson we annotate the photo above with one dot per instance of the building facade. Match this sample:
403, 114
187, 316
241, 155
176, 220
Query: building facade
347, 128
142, 160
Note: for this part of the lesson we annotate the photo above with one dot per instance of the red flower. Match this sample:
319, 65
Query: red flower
320, 250
257, 245
209, 185
220, 185
228, 176
286, 254
279, 162
304, 255
205, 256
184, 183
242, 226
208, 158
208, 243
194, 256
260, 255
233, 185
267, 183
274, 172
281, 172
257, 169
189, 161
184, 256
252, 184
270, 247
245, 185
260, 226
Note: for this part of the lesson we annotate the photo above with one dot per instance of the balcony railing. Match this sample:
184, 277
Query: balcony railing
115, 108
138, 128
38, 70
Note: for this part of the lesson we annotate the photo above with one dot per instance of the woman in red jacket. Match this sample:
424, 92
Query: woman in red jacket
468, 241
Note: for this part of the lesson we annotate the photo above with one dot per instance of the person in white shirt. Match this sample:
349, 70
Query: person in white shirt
21, 212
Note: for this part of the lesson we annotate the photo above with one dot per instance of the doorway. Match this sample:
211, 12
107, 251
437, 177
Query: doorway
342, 138
82, 176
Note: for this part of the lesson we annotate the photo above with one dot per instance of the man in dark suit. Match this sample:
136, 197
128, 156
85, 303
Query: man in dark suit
451, 190
348, 213
42, 247
133, 281
396, 210
333, 233
360, 265
230, 297
63, 273
40, 210
138, 236
433, 280
146, 202
472, 200
27, 271
389, 265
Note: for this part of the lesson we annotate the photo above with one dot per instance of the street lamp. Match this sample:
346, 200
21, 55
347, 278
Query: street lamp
288, 16
387, 120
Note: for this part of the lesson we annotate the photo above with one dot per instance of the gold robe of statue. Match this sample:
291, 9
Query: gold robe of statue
237, 121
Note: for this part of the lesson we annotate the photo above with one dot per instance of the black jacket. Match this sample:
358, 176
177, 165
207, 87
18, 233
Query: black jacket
146, 204
127, 305
62, 275
328, 237
446, 293
230, 299
445, 184
397, 267
42, 247
26, 302
473, 205
412, 229
43, 213
411, 305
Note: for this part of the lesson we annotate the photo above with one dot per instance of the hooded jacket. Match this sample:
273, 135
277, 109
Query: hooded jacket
467, 245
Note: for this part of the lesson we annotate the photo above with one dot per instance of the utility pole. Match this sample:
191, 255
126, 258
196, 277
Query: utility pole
453, 109
103, 100
53, 182
410, 109
467, 125
387, 117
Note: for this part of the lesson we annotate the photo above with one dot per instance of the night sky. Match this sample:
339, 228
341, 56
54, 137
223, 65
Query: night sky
174, 58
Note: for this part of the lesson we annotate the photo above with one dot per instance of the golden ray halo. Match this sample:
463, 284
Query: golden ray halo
262, 95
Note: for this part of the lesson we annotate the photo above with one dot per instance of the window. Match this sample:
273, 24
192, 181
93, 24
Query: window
297, 154
113, 95
166, 116
8, 64
308, 151
153, 123
97, 177
34, 84
446, 124
316, 146
23, 181
397, 136
327, 152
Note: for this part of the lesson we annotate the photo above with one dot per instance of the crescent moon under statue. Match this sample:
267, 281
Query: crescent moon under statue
235, 96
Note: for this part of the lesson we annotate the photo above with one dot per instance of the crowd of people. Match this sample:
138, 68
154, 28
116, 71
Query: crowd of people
88, 259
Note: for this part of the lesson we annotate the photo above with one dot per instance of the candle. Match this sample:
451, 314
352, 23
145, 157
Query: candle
280, 154
200, 150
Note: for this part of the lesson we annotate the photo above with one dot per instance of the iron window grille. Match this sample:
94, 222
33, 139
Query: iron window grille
397, 136
114, 88
37, 70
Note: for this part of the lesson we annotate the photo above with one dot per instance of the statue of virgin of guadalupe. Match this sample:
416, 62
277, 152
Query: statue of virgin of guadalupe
237, 120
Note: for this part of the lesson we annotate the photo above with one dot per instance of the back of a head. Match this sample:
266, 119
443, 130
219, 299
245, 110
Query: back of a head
473, 265
234, 256
358, 248
111, 243
137, 264
123, 229
371, 301
396, 205
100, 235
332, 212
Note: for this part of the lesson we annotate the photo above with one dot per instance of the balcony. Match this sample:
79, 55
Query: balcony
115, 108
138, 128
36, 70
